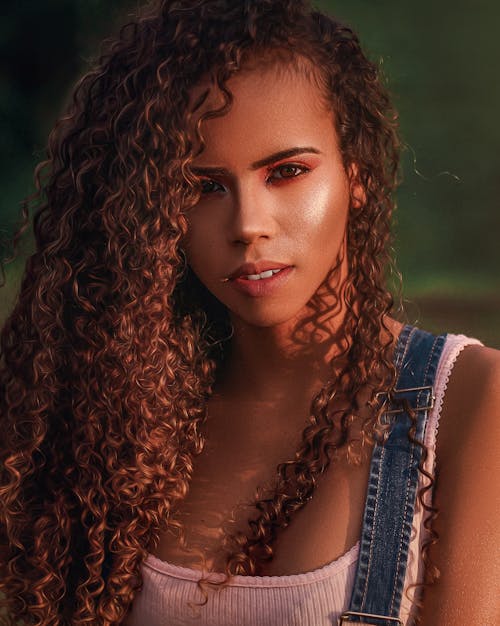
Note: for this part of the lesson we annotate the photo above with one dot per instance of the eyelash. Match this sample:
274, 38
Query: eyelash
302, 170
269, 180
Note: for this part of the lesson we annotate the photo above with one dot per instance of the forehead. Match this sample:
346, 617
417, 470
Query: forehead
274, 107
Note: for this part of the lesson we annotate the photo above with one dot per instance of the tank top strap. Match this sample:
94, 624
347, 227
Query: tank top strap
392, 484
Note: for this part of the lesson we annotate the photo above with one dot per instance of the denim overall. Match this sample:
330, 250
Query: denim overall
392, 485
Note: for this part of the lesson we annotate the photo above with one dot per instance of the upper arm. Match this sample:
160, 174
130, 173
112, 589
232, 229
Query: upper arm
467, 494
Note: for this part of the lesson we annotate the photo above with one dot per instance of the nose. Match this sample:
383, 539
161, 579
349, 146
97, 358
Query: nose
253, 215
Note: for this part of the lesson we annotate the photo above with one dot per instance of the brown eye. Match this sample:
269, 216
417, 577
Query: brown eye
210, 186
288, 170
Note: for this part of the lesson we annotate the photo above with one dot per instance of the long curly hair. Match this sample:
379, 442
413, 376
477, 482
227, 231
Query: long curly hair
112, 349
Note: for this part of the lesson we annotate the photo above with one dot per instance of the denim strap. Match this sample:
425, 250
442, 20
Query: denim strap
392, 485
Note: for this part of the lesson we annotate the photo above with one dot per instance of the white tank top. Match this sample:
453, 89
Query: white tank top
171, 597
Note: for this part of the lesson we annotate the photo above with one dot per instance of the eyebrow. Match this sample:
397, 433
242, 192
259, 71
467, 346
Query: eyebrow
269, 160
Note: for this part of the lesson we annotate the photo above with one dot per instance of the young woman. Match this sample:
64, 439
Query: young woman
208, 414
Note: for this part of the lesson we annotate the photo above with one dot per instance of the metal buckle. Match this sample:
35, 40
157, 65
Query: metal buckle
409, 389
347, 614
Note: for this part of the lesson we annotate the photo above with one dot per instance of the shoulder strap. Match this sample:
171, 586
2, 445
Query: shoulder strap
392, 484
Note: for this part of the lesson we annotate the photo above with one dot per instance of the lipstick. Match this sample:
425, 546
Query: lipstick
259, 279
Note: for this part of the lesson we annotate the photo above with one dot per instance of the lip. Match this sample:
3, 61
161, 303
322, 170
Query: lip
263, 286
256, 268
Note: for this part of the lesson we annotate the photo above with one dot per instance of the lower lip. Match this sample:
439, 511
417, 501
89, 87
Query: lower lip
263, 286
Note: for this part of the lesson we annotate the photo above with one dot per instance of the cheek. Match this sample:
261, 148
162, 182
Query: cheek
198, 243
202, 260
204, 252
321, 220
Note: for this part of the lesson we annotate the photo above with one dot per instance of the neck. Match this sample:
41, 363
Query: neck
290, 360
268, 362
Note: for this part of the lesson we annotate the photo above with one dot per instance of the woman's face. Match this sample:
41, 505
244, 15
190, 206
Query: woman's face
271, 219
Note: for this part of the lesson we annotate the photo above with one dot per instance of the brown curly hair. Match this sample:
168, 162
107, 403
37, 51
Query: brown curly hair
113, 347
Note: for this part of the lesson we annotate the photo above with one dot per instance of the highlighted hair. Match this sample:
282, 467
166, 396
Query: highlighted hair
112, 349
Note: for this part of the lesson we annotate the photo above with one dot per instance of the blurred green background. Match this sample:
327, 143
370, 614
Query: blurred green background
441, 66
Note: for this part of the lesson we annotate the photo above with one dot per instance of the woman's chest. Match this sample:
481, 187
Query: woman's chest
229, 477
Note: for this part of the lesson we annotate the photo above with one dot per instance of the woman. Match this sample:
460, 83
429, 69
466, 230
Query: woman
206, 316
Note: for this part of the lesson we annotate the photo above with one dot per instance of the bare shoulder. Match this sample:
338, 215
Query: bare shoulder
467, 495
471, 405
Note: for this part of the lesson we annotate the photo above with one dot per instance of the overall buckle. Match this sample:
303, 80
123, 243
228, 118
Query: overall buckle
345, 618
382, 397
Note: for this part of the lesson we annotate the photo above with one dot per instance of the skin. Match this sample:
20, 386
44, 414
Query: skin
292, 211
295, 211
467, 495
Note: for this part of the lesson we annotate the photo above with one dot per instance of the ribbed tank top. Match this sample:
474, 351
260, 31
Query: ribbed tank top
170, 595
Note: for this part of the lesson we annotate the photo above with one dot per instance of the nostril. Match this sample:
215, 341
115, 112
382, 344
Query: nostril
249, 240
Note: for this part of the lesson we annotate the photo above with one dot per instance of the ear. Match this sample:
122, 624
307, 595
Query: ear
356, 189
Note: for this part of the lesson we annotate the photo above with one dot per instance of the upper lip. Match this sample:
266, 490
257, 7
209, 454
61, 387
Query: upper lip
256, 268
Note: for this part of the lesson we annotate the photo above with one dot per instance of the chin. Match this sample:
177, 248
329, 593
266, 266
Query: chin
267, 317
262, 321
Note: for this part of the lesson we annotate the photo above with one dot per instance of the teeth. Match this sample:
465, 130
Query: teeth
266, 274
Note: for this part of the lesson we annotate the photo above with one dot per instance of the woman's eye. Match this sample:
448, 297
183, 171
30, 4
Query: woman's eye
288, 170
210, 186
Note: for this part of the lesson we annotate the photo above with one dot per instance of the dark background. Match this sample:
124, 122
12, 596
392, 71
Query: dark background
441, 65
